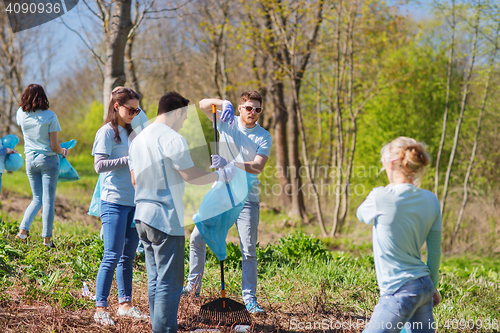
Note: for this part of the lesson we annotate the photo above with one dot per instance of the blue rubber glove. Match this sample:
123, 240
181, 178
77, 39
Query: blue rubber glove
218, 162
226, 174
227, 115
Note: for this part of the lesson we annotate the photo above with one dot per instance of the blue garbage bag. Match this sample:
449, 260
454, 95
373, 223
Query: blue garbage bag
13, 162
220, 209
10, 141
66, 171
95, 203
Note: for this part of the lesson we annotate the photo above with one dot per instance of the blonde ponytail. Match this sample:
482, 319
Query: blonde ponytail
408, 156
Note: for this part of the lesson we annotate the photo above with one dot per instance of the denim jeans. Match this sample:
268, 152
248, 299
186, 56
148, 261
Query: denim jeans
247, 225
409, 307
120, 242
165, 267
42, 172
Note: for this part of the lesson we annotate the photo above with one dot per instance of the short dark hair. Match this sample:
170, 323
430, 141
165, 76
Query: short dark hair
34, 98
250, 95
171, 101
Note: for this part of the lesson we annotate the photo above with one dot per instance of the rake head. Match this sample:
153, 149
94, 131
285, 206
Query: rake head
225, 311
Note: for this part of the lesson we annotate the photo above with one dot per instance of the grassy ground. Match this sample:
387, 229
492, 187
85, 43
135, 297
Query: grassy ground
305, 284
301, 283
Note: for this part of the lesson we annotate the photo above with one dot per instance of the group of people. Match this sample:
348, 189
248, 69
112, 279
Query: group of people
144, 168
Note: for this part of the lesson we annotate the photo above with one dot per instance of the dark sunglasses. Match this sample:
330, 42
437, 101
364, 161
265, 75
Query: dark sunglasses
132, 111
250, 108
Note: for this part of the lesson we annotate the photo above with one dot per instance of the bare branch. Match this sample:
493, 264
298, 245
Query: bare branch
84, 41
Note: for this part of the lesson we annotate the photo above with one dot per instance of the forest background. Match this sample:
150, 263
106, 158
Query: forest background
339, 80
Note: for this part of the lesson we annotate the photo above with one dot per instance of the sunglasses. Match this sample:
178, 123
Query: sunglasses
132, 111
250, 108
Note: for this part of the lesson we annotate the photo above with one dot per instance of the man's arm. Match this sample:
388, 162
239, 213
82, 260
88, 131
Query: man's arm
132, 178
256, 166
197, 176
206, 107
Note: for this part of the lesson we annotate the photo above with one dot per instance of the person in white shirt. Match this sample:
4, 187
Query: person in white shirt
160, 163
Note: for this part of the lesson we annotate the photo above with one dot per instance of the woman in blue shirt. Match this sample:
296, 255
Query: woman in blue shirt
117, 205
404, 217
41, 146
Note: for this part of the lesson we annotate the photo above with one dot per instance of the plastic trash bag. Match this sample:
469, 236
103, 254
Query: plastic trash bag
86, 292
13, 162
10, 141
95, 203
220, 209
66, 171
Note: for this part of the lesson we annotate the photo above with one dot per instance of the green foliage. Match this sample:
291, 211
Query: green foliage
294, 248
297, 270
87, 128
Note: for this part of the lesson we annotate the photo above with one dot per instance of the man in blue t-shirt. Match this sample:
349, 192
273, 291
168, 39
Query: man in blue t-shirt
248, 145
160, 163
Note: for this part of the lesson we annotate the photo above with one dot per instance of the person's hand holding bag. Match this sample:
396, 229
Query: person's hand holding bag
218, 162
227, 173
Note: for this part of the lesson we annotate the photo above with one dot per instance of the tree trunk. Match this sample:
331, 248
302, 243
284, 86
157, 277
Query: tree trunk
116, 41
474, 148
281, 141
462, 109
134, 81
297, 209
339, 147
447, 103
313, 188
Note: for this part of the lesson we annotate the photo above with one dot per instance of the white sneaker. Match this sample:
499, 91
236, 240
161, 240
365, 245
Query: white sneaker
103, 318
133, 312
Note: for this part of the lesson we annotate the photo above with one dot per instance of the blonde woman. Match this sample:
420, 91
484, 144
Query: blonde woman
404, 216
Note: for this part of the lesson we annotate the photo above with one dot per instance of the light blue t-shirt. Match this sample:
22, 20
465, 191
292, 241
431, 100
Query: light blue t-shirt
241, 144
156, 155
117, 186
2, 159
36, 127
402, 216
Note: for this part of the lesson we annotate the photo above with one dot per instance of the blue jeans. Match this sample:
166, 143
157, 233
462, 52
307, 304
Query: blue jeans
247, 225
165, 267
120, 242
409, 307
43, 172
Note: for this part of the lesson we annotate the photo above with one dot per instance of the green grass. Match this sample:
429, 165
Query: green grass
296, 271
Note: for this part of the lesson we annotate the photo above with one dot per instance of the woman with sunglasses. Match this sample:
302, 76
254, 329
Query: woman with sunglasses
117, 205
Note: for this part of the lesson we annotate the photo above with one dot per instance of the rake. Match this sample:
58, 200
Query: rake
224, 310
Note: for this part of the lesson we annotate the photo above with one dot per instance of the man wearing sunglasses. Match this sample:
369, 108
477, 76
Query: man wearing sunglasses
244, 142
